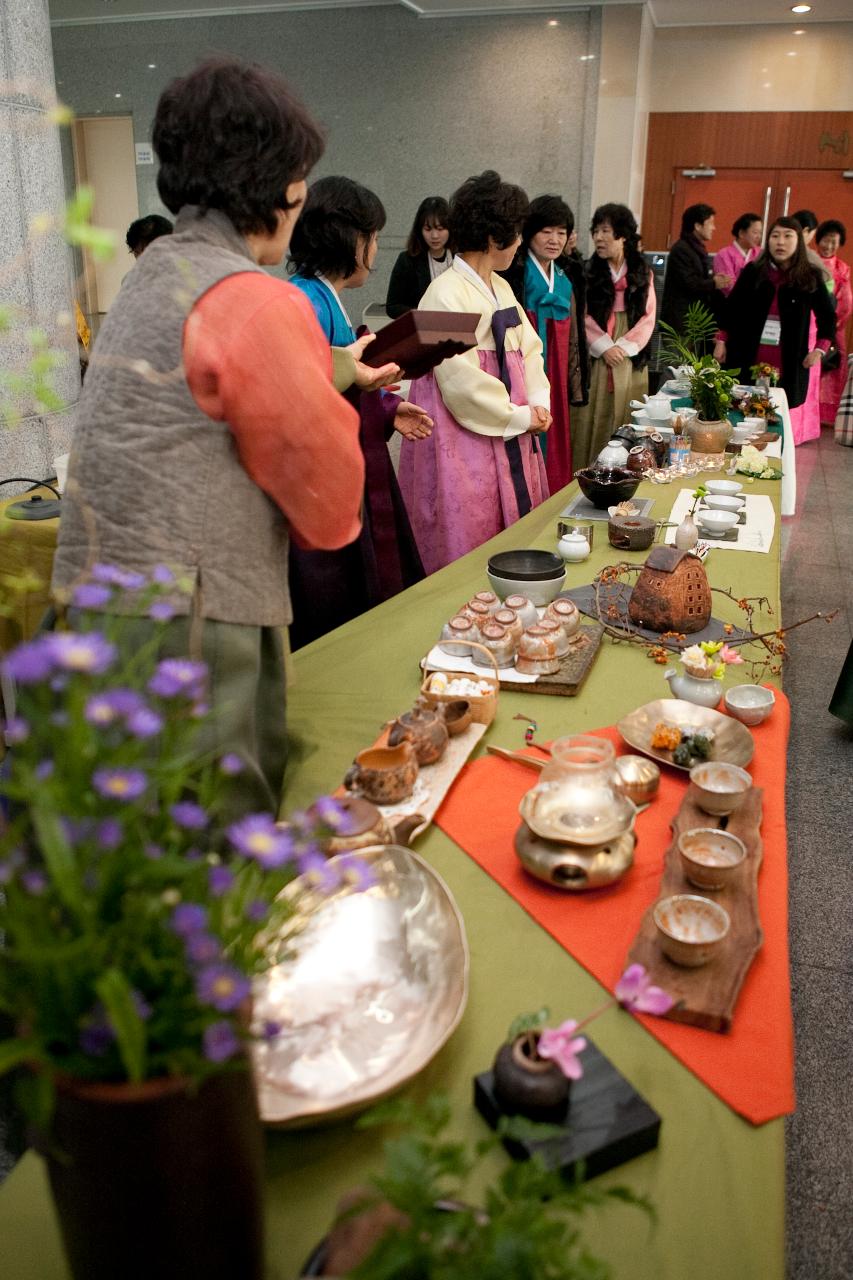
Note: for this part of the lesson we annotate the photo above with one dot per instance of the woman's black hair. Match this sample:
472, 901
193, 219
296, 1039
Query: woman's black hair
807, 219
800, 271
831, 226
692, 214
141, 232
622, 221
484, 208
337, 211
231, 136
434, 210
546, 211
744, 222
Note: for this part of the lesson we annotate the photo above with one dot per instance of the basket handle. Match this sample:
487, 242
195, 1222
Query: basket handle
475, 644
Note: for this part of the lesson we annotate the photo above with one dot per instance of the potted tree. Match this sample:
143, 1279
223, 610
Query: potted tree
710, 385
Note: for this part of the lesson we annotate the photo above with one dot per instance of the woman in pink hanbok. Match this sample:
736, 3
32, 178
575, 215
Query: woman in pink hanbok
482, 467
831, 236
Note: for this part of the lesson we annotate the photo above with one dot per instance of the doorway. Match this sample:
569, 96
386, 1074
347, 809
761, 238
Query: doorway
104, 159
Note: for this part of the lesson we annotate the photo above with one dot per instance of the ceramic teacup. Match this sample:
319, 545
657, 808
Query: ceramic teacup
384, 774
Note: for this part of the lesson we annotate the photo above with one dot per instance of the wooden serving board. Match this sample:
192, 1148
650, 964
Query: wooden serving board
706, 997
566, 682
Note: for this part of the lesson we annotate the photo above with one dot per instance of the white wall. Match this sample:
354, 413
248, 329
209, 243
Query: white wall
627, 38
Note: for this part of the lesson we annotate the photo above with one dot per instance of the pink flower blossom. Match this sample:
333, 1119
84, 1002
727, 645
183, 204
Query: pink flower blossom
635, 992
557, 1044
730, 656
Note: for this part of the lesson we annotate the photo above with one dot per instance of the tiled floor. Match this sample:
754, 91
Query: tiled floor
817, 573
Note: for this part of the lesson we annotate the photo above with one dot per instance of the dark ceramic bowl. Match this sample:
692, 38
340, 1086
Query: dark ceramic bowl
604, 487
527, 566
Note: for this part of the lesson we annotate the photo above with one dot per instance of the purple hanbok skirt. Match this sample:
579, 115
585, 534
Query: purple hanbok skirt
461, 488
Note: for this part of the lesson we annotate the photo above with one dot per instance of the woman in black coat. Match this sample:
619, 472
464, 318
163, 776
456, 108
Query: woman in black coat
426, 255
767, 314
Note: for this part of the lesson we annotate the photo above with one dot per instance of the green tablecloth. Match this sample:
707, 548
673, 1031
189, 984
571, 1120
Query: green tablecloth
717, 1183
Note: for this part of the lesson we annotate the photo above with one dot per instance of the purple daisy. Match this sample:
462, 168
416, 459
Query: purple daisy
176, 676
116, 577
257, 910
17, 731
231, 764
330, 812
44, 770
91, 595
315, 868
162, 611
356, 871
162, 575
31, 662
189, 815
144, 723
109, 833
84, 651
219, 880
119, 784
188, 918
111, 705
257, 836
153, 851
220, 1042
203, 948
222, 986
35, 882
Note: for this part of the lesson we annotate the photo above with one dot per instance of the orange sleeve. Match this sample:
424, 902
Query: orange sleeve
256, 358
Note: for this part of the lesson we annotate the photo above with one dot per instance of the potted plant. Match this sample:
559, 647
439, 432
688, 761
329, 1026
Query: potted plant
133, 924
710, 385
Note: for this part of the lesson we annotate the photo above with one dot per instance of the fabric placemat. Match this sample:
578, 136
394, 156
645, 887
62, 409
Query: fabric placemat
752, 1067
755, 535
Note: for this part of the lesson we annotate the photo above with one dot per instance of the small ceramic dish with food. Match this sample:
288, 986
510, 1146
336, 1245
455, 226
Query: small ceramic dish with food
716, 522
691, 929
729, 487
710, 857
750, 703
720, 788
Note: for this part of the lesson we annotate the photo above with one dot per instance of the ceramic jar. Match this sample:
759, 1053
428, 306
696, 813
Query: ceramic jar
614, 454
537, 653
555, 629
477, 610
527, 1085
573, 547
641, 458
566, 613
687, 534
489, 599
460, 630
426, 731
509, 618
704, 692
708, 437
499, 643
526, 610
659, 446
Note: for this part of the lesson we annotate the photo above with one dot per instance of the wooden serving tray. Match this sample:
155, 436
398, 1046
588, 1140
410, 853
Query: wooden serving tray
566, 682
706, 997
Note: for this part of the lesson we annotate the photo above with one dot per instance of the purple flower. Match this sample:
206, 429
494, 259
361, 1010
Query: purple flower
152, 851
112, 575
141, 1005
91, 595
176, 676
222, 986
203, 948
188, 918
107, 707
330, 812
44, 770
17, 730
84, 651
635, 992
162, 575
219, 880
162, 611
358, 873
231, 764
96, 1038
199, 710
257, 910
189, 815
220, 1042
257, 836
270, 1030
76, 830
109, 833
193, 855
30, 662
119, 784
314, 867
558, 1044
144, 723
35, 882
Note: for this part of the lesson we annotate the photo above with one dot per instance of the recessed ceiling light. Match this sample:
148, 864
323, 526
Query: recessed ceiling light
792, 53
152, 66
116, 95
766, 84
800, 31
553, 22
801, 8
586, 57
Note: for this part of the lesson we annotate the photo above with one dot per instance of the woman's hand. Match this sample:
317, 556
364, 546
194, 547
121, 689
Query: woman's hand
540, 419
614, 356
719, 351
366, 377
812, 358
722, 281
411, 422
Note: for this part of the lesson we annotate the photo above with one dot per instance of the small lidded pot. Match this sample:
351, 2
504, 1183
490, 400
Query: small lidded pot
526, 610
554, 628
537, 652
489, 599
509, 618
462, 630
573, 546
499, 643
426, 731
566, 613
362, 825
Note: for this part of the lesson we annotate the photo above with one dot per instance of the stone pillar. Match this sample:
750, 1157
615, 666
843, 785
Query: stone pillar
35, 263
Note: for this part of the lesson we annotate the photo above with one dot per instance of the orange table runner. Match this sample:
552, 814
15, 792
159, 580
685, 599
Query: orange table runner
752, 1067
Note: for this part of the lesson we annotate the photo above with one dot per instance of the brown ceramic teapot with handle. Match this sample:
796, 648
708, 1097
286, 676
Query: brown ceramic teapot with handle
424, 727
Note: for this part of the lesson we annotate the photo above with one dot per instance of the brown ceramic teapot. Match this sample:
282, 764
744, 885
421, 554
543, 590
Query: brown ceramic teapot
425, 729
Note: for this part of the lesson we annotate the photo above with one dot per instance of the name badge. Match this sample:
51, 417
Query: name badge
771, 332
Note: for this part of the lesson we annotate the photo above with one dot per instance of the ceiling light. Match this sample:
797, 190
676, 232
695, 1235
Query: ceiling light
152, 66
766, 84
553, 22
792, 53
799, 32
801, 8
116, 95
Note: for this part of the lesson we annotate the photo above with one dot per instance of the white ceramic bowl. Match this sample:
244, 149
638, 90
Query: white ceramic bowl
710, 857
750, 703
725, 502
755, 425
540, 593
729, 487
717, 521
720, 788
691, 930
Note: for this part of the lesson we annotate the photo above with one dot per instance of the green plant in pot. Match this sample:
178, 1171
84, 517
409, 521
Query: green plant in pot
133, 924
711, 385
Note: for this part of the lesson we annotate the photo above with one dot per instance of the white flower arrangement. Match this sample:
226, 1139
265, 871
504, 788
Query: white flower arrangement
752, 462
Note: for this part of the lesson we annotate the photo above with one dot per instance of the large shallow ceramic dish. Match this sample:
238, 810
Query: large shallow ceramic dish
732, 742
376, 983
604, 487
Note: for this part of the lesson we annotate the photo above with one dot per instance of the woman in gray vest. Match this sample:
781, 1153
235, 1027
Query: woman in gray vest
209, 431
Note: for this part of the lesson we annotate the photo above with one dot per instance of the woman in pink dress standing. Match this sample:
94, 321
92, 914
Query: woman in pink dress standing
831, 236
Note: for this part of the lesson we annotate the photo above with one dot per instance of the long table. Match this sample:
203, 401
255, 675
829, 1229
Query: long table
717, 1182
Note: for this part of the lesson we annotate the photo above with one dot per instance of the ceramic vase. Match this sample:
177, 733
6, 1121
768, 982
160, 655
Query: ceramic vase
527, 1085
160, 1179
687, 534
704, 692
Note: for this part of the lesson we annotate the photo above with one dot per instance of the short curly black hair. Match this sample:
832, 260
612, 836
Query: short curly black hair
622, 221
484, 208
547, 211
232, 136
829, 227
141, 232
337, 211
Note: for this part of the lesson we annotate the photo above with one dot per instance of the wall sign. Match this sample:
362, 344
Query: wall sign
144, 153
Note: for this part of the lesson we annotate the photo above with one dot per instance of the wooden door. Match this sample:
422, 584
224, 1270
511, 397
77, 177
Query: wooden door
730, 192
826, 192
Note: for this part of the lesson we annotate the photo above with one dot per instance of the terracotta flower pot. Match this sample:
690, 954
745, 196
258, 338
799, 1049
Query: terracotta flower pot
159, 1179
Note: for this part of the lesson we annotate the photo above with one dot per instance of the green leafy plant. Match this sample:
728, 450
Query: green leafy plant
526, 1227
710, 385
133, 919
698, 331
